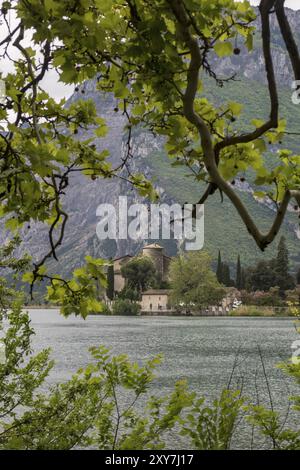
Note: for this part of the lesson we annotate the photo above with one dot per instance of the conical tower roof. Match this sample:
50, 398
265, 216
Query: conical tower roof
154, 246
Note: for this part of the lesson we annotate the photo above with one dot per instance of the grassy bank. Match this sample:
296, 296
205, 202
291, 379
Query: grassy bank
257, 311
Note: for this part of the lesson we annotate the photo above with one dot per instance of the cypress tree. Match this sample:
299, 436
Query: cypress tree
281, 267
282, 260
219, 268
238, 281
110, 282
226, 275
298, 276
243, 279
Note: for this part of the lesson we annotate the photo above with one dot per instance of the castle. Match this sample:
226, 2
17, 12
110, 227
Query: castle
156, 301
153, 251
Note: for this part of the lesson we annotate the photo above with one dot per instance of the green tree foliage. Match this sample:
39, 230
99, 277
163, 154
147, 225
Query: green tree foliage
162, 46
194, 284
239, 274
125, 307
292, 297
272, 273
219, 267
282, 260
298, 277
243, 278
284, 280
39, 146
262, 276
79, 295
110, 290
263, 298
85, 411
269, 422
226, 276
139, 273
212, 427
223, 272
130, 294
89, 409
154, 68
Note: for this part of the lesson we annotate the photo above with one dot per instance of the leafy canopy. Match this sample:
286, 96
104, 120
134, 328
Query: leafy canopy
193, 282
152, 57
139, 273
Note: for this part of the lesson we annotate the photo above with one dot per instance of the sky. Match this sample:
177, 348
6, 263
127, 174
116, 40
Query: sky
59, 90
294, 4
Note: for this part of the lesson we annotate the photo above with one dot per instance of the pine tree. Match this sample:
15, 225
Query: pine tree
110, 282
238, 281
219, 268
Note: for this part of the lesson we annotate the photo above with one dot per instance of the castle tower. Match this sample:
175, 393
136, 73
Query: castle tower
155, 252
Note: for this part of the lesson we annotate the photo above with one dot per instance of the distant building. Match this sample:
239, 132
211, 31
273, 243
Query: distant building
155, 301
160, 260
153, 251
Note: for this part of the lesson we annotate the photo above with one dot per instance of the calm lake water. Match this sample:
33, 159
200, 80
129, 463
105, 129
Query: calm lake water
203, 350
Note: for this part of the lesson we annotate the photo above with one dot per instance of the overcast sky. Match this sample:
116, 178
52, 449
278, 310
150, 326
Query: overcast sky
58, 90
294, 4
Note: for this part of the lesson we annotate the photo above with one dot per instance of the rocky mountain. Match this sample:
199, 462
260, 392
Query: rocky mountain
223, 228
250, 65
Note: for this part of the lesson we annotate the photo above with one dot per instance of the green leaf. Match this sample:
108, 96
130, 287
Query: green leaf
223, 49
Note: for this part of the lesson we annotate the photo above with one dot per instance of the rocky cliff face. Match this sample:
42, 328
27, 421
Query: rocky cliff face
84, 195
251, 64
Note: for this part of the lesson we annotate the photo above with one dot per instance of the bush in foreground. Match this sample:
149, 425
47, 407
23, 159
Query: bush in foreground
105, 405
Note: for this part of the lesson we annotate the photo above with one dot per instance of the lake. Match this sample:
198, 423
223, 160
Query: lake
204, 350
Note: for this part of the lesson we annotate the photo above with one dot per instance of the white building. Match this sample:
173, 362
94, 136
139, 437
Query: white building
155, 301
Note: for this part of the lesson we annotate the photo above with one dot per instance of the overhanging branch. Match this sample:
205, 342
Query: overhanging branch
288, 37
262, 240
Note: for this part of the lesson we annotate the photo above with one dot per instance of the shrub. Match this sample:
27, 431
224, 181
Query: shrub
125, 307
129, 294
86, 411
211, 427
252, 311
106, 310
269, 298
89, 411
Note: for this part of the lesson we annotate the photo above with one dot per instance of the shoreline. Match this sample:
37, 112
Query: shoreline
51, 307
41, 307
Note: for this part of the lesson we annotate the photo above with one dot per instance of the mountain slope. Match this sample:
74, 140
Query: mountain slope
223, 228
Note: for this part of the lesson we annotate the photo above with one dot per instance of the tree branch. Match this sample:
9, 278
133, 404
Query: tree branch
272, 122
288, 37
206, 139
